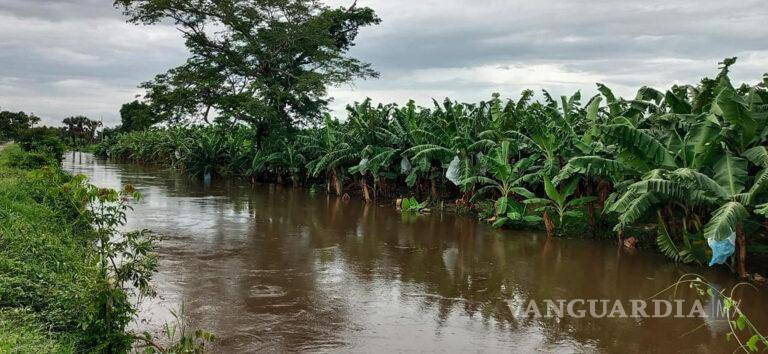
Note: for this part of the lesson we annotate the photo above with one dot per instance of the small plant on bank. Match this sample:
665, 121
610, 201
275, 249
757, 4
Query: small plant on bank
559, 203
181, 338
742, 331
127, 261
412, 205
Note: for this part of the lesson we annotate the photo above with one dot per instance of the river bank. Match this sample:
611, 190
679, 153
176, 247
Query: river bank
68, 273
46, 271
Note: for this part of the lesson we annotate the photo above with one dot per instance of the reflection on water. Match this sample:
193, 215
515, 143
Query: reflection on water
271, 268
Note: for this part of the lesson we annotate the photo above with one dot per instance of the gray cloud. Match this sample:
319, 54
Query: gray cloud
63, 58
59, 58
464, 49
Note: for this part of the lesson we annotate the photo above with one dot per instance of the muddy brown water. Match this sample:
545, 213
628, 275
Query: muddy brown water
273, 269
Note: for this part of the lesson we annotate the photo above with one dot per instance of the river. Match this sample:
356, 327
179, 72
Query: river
270, 268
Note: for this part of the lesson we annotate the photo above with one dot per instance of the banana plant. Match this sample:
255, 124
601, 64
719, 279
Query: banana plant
559, 202
452, 143
287, 159
331, 152
506, 179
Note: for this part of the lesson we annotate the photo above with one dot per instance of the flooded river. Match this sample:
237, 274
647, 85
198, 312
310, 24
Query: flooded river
270, 268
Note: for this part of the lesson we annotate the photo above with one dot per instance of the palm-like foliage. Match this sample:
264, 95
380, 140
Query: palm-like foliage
692, 159
560, 202
283, 160
505, 179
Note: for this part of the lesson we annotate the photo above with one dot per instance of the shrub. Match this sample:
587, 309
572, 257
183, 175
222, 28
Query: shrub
44, 140
29, 160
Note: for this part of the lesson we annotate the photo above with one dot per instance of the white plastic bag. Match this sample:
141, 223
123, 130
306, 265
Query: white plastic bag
452, 174
405, 165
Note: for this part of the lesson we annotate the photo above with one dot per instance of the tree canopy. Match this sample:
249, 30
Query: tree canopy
264, 62
136, 115
12, 123
80, 129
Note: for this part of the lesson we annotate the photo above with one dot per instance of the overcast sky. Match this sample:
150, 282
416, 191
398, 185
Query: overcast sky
67, 57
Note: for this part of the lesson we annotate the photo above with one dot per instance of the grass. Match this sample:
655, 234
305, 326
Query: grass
47, 275
20, 332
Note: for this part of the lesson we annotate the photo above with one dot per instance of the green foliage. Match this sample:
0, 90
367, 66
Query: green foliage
269, 64
80, 130
20, 332
64, 263
42, 140
136, 115
216, 150
691, 251
17, 158
515, 214
695, 153
506, 181
14, 123
45, 262
411, 205
560, 202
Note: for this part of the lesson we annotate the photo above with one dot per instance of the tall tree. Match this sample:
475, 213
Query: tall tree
265, 62
136, 115
80, 129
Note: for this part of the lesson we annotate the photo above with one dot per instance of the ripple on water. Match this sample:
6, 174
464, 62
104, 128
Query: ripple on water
267, 291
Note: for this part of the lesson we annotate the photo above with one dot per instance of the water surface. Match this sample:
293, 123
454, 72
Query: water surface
270, 268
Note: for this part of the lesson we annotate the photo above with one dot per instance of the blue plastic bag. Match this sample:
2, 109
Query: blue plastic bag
722, 249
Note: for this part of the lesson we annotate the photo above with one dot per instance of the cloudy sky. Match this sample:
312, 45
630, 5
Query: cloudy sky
66, 57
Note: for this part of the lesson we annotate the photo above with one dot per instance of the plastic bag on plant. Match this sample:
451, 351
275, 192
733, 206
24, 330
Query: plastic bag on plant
722, 249
363, 165
405, 165
452, 174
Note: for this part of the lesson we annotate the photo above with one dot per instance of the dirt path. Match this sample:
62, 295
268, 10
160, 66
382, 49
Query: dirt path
2, 146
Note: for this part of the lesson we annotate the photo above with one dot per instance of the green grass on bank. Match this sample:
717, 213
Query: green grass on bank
20, 332
48, 278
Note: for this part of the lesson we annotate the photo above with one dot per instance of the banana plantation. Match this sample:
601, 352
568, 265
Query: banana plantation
286, 176
684, 170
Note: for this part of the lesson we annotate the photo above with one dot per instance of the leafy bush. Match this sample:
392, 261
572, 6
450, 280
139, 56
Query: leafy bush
43, 140
29, 160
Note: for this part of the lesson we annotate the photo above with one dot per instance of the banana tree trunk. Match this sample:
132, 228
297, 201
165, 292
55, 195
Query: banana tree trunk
741, 245
433, 187
590, 191
364, 188
548, 224
336, 182
592, 221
